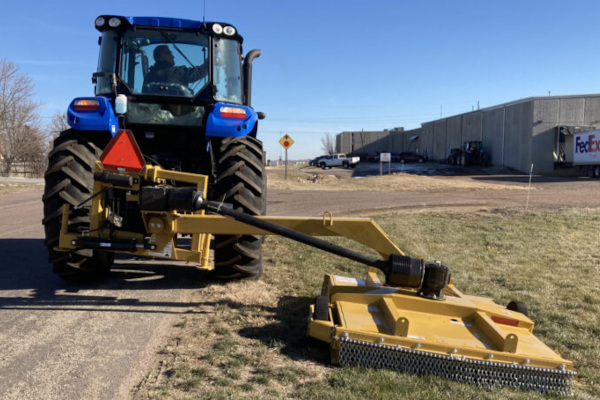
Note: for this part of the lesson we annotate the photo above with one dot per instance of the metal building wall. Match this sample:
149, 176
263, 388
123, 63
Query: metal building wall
342, 142
411, 141
592, 111
515, 134
493, 134
440, 131
546, 117
426, 138
397, 139
453, 137
472, 126
375, 140
362, 142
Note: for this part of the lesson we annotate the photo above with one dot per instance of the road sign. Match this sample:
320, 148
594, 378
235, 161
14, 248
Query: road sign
385, 157
286, 141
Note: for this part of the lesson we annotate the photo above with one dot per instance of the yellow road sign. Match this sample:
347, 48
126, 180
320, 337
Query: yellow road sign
286, 141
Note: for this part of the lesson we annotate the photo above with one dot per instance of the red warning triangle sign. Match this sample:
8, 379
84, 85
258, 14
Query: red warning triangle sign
123, 153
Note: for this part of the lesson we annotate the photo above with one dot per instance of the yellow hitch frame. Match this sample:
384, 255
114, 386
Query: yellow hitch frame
163, 227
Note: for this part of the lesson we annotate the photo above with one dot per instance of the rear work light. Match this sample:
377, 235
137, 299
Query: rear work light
86, 105
123, 153
233, 112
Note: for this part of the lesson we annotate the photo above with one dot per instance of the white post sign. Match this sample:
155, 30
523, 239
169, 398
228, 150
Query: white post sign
385, 157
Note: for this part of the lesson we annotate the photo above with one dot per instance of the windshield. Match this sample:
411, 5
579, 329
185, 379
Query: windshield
227, 74
164, 63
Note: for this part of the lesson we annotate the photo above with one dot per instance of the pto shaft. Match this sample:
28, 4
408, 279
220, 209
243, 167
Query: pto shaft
430, 277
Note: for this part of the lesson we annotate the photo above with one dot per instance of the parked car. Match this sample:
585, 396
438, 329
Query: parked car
338, 160
315, 161
372, 158
410, 157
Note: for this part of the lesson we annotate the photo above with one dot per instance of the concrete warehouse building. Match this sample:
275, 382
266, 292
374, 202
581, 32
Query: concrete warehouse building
515, 134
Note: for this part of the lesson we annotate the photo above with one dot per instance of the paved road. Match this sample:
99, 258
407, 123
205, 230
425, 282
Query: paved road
60, 341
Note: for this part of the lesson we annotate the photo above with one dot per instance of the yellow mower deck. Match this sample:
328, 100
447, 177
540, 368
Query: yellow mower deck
465, 338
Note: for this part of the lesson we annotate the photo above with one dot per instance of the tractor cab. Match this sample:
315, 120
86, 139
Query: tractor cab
176, 83
473, 146
168, 69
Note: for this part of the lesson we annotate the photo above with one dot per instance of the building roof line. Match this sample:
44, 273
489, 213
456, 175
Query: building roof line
514, 102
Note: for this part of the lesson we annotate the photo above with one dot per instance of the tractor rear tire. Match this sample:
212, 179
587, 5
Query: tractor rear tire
241, 181
69, 180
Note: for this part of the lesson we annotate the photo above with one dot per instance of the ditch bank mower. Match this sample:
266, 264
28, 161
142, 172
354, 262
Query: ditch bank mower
415, 321
173, 170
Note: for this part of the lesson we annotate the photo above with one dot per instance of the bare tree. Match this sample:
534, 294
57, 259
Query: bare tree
58, 124
20, 134
328, 142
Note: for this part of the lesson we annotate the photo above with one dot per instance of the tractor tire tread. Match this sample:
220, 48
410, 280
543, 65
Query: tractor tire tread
69, 180
240, 181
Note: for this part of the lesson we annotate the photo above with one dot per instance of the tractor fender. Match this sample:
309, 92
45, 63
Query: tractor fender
222, 122
97, 118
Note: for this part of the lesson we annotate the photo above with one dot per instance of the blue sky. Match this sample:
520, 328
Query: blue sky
333, 66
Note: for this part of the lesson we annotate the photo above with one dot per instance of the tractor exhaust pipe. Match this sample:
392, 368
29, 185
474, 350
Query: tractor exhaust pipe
252, 54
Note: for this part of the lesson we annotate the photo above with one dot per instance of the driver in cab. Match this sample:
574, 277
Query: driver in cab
165, 71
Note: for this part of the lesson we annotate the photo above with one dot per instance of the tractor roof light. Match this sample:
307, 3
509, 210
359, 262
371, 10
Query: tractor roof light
233, 112
86, 105
123, 153
100, 21
217, 28
114, 22
229, 30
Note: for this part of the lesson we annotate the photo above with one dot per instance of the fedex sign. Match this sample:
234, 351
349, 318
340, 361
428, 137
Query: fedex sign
591, 145
586, 148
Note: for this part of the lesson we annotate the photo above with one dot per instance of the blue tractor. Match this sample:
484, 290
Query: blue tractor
183, 88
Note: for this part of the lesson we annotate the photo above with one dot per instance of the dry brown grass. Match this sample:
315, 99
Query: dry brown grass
247, 339
316, 179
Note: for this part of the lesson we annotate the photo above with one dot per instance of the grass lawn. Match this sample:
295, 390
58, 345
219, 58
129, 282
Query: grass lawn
247, 339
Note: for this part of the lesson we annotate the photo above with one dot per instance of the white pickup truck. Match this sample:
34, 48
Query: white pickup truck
338, 160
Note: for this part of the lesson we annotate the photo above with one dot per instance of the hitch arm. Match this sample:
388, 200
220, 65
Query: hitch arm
400, 270
226, 210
